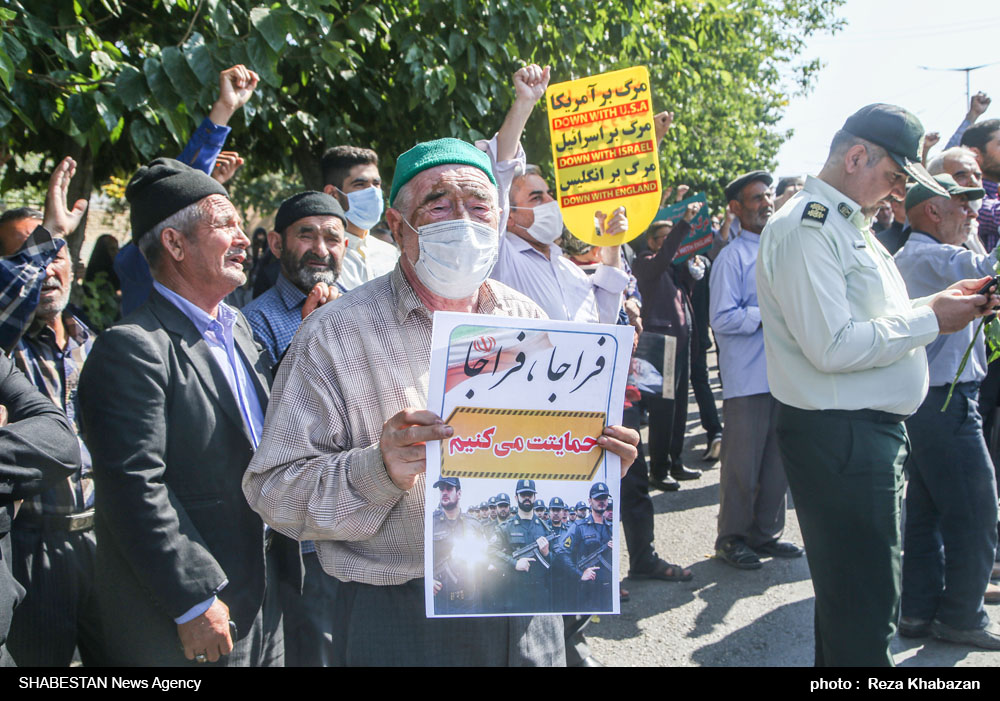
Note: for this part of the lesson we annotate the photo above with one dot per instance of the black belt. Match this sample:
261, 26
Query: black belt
71, 523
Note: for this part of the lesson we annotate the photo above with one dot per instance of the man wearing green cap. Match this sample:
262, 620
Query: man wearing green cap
845, 360
951, 509
342, 459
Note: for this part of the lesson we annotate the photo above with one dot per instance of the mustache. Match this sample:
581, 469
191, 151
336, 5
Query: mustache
310, 257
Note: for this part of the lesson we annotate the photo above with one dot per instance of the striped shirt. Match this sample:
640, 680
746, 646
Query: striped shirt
318, 473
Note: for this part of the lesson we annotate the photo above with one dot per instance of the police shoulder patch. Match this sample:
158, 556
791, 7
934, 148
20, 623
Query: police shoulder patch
568, 542
815, 213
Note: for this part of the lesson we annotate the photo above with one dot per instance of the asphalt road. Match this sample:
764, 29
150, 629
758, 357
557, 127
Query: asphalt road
726, 617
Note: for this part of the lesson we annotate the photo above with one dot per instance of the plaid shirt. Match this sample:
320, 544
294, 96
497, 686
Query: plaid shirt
989, 216
318, 473
56, 373
275, 316
21, 278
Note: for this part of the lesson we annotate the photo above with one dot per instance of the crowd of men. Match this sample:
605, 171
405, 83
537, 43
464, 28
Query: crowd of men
203, 485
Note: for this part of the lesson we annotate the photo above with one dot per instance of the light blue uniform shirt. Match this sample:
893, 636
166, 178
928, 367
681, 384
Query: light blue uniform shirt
928, 266
735, 318
218, 334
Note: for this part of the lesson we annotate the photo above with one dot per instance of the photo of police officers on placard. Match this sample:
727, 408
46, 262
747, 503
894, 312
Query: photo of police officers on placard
536, 549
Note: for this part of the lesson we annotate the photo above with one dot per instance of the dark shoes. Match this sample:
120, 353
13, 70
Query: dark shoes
679, 472
667, 484
914, 627
589, 662
738, 554
665, 572
779, 548
987, 638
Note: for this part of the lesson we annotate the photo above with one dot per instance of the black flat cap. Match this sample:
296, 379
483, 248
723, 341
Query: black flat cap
163, 188
307, 204
732, 190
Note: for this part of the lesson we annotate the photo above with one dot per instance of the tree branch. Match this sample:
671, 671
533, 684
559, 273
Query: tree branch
190, 28
41, 78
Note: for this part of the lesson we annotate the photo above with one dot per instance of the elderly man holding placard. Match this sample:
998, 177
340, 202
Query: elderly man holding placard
342, 459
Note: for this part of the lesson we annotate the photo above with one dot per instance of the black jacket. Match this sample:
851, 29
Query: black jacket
37, 449
169, 449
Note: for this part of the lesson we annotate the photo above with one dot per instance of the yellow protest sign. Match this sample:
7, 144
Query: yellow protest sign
604, 151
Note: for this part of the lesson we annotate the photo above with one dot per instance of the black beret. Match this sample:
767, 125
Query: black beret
307, 204
163, 188
733, 189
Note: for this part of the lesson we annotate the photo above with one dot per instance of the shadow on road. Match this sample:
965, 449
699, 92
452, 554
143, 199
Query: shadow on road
777, 638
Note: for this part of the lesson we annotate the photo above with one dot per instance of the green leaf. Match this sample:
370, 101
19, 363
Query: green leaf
6, 69
181, 77
7, 15
5, 116
199, 59
109, 115
144, 138
130, 87
223, 21
14, 48
159, 84
175, 125
272, 25
264, 61
81, 110
116, 133
308, 9
103, 61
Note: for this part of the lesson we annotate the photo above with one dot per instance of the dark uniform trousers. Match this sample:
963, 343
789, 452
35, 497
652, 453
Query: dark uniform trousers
845, 470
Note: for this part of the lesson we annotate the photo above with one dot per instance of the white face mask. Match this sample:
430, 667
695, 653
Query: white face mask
364, 207
456, 256
548, 225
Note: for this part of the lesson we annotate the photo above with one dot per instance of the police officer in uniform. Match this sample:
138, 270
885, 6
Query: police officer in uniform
583, 539
494, 582
492, 503
503, 509
540, 513
456, 581
581, 511
846, 362
557, 507
528, 581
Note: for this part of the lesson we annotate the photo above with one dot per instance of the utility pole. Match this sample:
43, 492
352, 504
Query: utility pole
967, 70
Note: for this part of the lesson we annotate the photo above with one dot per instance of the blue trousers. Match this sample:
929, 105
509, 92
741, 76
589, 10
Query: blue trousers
951, 512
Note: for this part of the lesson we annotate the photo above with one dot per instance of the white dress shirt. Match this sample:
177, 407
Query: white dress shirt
558, 285
366, 259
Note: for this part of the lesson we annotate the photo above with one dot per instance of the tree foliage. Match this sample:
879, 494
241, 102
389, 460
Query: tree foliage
118, 82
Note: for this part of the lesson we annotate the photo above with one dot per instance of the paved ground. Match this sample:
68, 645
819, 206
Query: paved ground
727, 617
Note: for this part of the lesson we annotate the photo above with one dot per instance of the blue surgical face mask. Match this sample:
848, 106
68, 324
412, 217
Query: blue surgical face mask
364, 207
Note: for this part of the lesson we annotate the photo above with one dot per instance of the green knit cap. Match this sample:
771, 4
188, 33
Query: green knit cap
430, 154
